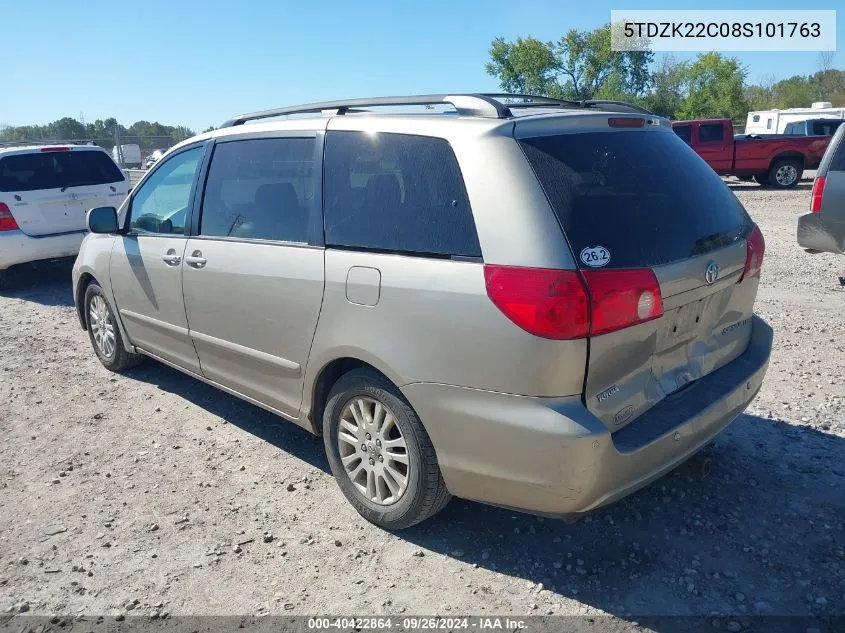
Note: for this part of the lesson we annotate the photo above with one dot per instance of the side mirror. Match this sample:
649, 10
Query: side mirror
102, 220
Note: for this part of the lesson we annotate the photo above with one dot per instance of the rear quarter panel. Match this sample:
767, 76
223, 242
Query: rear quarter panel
432, 322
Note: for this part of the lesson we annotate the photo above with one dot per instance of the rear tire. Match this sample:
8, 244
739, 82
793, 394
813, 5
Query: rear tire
3, 278
379, 452
785, 174
104, 333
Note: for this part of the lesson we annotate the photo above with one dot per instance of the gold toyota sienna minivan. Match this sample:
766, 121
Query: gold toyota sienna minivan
533, 303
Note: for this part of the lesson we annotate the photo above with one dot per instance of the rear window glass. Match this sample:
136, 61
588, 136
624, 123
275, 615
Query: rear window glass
643, 195
396, 193
825, 128
55, 170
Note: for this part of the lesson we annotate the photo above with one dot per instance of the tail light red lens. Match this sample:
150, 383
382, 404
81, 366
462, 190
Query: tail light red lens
7, 221
547, 303
569, 304
55, 149
622, 298
818, 191
755, 249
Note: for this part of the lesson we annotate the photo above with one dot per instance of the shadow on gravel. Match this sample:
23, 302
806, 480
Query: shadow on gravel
250, 418
764, 534
47, 283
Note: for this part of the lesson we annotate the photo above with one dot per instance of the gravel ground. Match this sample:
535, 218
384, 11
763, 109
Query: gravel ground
153, 493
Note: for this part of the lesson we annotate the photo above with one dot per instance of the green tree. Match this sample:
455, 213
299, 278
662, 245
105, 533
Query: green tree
795, 92
101, 131
581, 65
527, 66
66, 128
589, 67
715, 87
669, 87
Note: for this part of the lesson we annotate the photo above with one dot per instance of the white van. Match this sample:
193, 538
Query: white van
45, 193
131, 156
775, 121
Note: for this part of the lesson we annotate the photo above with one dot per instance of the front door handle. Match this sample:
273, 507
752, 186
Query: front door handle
171, 258
196, 260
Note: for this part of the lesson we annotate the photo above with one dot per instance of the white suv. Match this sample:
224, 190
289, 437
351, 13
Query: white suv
45, 192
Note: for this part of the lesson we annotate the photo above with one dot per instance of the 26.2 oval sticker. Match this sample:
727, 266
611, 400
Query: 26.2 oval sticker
595, 256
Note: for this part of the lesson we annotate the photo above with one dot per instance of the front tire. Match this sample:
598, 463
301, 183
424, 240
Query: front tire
104, 333
379, 452
785, 174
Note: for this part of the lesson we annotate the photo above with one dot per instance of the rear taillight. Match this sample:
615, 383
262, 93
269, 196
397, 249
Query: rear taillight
7, 221
55, 149
569, 304
622, 298
818, 191
548, 303
755, 247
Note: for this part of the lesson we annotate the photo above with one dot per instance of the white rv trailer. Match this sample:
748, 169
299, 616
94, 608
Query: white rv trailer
775, 121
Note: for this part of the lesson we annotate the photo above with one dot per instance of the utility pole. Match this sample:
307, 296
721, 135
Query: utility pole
119, 152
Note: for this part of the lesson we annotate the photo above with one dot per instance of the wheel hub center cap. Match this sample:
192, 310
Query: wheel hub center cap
372, 450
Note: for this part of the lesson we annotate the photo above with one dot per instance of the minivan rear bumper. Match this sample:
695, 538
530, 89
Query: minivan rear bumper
818, 235
16, 247
551, 456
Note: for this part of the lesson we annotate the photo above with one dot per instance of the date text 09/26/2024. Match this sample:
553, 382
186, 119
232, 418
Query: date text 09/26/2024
412, 623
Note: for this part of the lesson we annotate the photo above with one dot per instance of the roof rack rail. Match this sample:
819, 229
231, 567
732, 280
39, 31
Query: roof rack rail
535, 101
492, 105
468, 104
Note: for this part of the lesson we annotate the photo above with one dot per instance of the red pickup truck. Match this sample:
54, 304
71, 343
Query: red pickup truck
774, 160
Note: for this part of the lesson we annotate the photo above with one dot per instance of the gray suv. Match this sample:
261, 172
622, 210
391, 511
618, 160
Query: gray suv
538, 304
823, 229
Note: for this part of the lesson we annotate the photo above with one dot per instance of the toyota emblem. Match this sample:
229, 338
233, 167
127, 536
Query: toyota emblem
711, 273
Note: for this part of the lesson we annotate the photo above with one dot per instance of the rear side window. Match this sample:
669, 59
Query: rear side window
825, 128
644, 196
396, 193
711, 132
837, 146
684, 132
260, 189
57, 169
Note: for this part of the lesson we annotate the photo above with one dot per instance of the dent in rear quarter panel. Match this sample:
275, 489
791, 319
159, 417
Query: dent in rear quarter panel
434, 323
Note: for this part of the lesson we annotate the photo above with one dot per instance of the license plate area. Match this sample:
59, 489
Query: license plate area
682, 324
